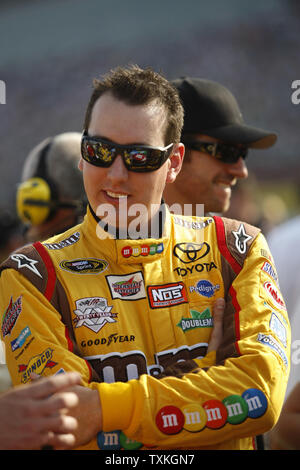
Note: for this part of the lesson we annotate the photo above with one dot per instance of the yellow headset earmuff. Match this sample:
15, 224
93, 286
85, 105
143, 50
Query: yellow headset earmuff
34, 201
37, 198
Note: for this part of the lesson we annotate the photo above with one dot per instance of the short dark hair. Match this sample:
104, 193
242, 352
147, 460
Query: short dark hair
136, 86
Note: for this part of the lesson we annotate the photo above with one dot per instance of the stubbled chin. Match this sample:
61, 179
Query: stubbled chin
221, 199
223, 191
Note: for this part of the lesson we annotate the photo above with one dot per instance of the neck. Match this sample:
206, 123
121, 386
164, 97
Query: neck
152, 228
185, 207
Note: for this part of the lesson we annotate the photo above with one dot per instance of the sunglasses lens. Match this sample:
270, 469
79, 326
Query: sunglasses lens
223, 152
146, 160
228, 154
139, 159
96, 153
136, 159
233, 154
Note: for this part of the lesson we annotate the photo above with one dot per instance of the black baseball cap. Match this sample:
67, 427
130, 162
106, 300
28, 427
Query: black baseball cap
211, 109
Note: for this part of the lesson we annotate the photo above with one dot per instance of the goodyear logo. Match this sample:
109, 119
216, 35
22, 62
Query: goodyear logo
37, 364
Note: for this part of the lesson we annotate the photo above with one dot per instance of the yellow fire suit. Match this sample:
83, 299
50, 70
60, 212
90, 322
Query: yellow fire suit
120, 311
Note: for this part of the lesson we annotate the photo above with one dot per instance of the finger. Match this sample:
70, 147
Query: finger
218, 310
53, 405
217, 333
58, 424
47, 386
57, 402
34, 376
62, 441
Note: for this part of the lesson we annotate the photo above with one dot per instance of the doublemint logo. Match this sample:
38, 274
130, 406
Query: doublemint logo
198, 320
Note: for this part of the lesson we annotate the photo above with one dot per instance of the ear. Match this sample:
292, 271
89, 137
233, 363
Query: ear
175, 164
80, 164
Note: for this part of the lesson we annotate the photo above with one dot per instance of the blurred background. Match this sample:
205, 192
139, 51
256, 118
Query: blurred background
52, 49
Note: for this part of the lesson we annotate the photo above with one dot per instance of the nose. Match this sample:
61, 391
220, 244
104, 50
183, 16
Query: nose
117, 172
238, 169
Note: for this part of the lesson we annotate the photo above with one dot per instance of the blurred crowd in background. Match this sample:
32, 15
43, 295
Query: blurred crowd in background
52, 50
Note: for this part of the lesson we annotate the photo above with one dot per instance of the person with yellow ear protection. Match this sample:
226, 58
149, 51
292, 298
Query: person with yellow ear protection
50, 197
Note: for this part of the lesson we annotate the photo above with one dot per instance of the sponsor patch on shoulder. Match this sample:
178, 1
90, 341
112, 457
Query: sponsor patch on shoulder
37, 364
241, 239
24, 262
278, 328
270, 342
269, 269
11, 315
273, 294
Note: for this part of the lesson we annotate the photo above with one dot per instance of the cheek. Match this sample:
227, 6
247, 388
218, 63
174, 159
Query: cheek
92, 178
92, 173
151, 187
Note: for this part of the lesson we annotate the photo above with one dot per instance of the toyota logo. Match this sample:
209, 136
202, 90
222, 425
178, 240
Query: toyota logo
191, 252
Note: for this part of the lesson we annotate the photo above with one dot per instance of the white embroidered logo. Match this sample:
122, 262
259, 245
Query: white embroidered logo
241, 239
94, 313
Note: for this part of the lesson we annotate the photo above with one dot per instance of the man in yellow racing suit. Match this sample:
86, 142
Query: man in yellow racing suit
121, 311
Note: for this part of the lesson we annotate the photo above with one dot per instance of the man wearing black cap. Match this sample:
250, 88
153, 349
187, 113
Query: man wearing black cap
217, 141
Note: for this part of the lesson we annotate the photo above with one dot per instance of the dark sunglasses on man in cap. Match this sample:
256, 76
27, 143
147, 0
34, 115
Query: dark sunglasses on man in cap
223, 152
138, 158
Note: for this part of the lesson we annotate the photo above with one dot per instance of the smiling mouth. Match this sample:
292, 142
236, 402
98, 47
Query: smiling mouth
116, 195
226, 184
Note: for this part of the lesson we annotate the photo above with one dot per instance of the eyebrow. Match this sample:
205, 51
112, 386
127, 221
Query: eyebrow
142, 144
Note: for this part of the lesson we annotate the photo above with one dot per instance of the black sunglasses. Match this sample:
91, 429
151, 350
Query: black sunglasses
224, 152
139, 158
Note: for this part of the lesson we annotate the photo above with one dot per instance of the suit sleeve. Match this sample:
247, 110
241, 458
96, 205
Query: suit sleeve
241, 396
36, 340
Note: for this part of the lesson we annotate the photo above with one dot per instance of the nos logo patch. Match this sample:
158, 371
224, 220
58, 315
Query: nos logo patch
167, 295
